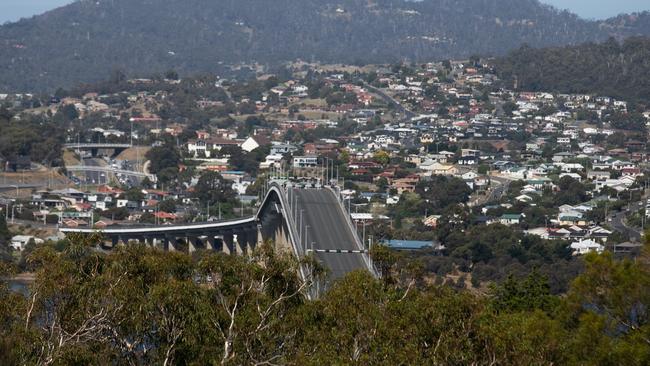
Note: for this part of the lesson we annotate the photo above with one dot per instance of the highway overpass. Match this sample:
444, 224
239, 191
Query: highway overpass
95, 147
300, 220
108, 169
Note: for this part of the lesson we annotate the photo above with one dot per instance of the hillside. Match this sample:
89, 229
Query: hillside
620, 70
85, 40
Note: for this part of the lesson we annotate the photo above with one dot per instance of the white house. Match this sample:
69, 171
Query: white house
586, 246
305, 161
436, 168
253, 143
19, 242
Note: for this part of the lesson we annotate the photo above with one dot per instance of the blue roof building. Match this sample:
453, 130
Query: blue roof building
408, 244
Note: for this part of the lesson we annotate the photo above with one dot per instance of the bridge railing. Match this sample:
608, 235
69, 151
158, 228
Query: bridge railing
291, 224
161, 228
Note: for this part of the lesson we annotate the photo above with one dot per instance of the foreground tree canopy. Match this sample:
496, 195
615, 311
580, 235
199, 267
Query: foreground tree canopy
141, 306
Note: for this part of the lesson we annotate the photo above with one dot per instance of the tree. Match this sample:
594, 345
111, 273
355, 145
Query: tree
162, 157
242, 160
213, 188
509, 108
134, 194
5, 235
381, 157
440, 192
530, 294
168, 205
382, 184
69, 112
171, 75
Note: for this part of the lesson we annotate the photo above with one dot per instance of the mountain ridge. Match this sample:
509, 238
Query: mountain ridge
84, 41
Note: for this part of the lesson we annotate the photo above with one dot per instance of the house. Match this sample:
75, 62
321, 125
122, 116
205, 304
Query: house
571, 218
503, 165
165, 216
574, 176
435, 168
432, 221
254, 142
281, 149
627, 248
19, 242
524, 198
305, 161
510, 219
412, 245
597, 175
586, 246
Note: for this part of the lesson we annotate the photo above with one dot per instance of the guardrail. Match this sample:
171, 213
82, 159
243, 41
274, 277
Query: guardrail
97, 146
282, 193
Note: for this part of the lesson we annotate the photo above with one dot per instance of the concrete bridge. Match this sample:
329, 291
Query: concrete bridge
300, 220
108, 169
95, 147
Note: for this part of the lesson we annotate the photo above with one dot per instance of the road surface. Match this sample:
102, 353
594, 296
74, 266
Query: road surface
407, 114
326, 227
617, 222
94, 177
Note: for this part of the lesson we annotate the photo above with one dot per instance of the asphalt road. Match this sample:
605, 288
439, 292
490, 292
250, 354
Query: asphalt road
327, 228
406, 114
94, 177
618, 224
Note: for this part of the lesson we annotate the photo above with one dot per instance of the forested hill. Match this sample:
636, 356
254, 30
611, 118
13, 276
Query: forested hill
614, 69
85, 40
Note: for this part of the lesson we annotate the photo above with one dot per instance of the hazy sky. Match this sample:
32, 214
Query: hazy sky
12, 10
600, 8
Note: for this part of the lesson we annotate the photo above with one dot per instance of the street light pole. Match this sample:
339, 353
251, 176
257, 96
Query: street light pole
300, 227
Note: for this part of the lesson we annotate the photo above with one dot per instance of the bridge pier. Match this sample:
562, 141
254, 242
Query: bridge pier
170, 243
159, 243
191, 243
229, 244
248, 241
149, 241
237, 243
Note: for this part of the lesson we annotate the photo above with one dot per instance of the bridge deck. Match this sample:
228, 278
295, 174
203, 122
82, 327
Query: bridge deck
328, 229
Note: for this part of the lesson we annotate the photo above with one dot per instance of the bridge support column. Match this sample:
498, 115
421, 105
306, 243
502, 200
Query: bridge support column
260, 237
228, 244
210, 242
218, 243
170, 243
239, 244
192, 242
247, 241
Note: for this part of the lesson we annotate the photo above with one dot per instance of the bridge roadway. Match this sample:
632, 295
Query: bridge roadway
96, 146
325, 228
107, 169
300, 219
